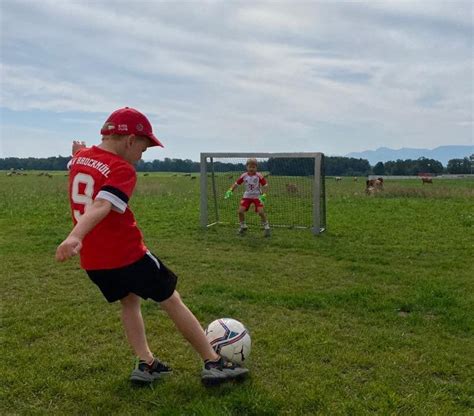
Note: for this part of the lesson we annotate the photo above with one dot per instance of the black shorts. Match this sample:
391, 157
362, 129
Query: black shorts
147, 278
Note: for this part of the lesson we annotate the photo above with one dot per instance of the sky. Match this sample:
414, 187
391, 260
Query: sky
237, 76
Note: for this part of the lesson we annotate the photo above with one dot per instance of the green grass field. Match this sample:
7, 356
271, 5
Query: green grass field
373, 317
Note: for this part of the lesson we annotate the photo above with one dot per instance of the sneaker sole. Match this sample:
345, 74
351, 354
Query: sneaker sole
139, 379
215, 381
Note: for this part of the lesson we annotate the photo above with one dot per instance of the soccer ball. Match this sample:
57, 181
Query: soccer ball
230, 339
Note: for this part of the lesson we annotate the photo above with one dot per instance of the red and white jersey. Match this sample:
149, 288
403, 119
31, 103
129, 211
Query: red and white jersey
116, 241
252, 184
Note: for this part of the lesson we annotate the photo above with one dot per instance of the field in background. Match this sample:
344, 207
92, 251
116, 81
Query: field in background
375, 316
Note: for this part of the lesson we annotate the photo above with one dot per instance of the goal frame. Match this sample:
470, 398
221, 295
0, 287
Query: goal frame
319, 192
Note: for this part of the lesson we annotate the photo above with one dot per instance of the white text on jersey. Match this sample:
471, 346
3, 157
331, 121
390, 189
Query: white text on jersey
85, 161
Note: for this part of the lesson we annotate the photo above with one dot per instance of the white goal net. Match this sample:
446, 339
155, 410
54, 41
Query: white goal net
295, 192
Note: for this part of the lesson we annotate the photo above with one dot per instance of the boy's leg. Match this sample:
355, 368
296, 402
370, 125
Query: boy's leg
264, 219
216, 369
189, 326
134, 327
243, 226
148, 368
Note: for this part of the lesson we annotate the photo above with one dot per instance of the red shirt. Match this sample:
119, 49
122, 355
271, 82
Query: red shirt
116, 241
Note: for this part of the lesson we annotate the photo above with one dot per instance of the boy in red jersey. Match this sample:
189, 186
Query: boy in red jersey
255, 185
101, 181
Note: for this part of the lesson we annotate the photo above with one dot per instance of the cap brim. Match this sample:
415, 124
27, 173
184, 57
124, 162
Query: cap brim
154, 140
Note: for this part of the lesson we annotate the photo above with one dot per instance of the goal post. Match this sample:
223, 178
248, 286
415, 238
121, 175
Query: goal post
296, 189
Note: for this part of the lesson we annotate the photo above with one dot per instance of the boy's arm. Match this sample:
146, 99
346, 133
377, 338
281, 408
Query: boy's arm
229, 192
94, 214
263, 192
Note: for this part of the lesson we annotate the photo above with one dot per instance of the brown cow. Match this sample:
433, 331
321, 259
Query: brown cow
373, 186
425, 179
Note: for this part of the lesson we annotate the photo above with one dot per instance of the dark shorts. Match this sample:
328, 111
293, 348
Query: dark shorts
147, 278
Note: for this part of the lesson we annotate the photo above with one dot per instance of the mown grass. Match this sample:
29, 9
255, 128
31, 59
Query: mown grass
373, 317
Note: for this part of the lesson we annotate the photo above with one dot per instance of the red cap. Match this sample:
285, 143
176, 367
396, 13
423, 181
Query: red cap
126, 121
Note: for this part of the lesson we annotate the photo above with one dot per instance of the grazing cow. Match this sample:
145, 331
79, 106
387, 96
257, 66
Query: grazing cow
145, 174
426, 179
13, 172
356, 178
338, 178
291, 188
373, 185
193, 177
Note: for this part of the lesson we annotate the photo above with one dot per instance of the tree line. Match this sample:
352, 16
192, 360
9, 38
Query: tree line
334, 166
424, 165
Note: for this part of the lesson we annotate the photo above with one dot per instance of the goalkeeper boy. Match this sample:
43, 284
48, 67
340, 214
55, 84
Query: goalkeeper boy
255, 187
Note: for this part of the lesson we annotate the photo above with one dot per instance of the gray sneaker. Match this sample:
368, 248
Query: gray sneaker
242, 230
144, 373
216, 372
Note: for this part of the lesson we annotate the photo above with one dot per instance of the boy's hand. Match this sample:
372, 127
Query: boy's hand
77, 145
68, 248
262, 198
228, 194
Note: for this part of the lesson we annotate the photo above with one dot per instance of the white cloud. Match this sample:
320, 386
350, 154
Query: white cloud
28, 88
342, 76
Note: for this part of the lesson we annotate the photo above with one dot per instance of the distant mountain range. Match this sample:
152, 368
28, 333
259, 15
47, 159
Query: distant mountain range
442, 153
